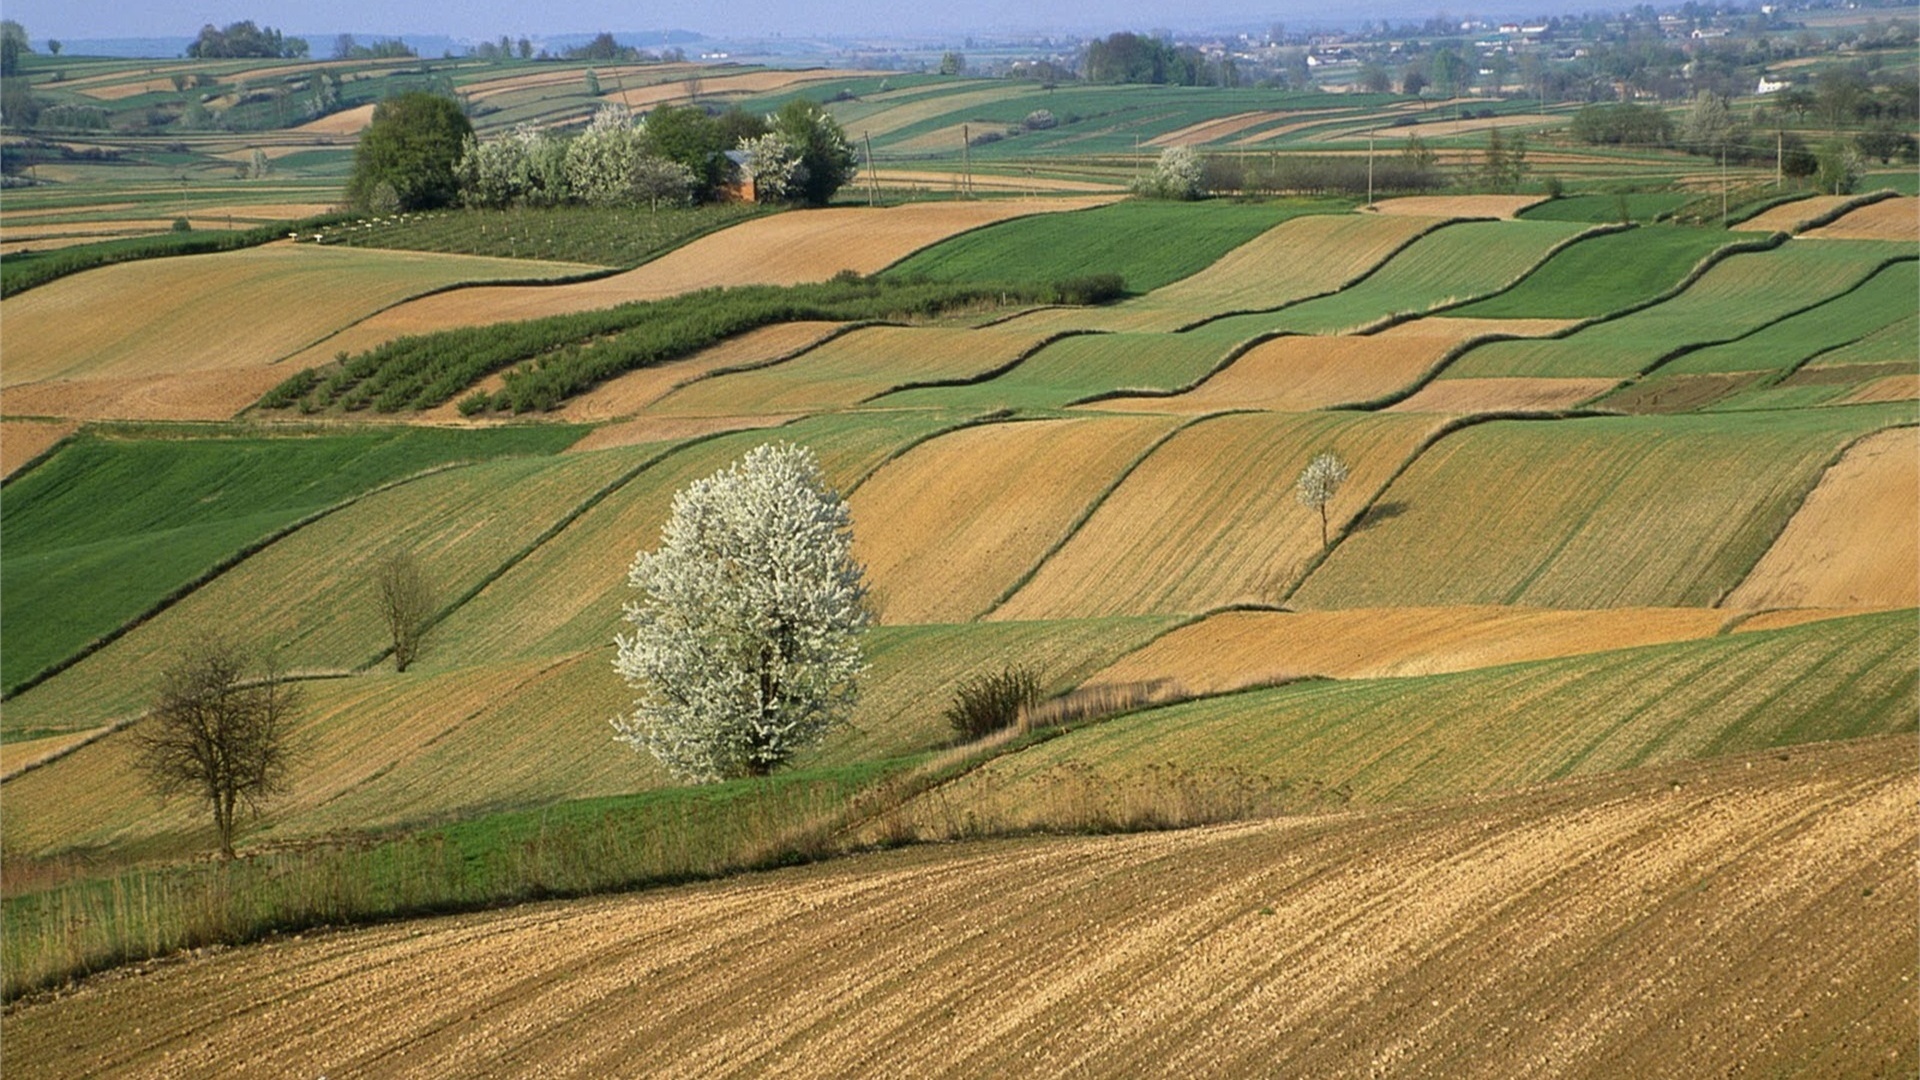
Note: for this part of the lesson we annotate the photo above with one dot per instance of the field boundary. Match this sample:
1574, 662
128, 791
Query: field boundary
1232, 355
1093, 506
1800, 504
206, 577
1675, 354
1845, 208
38, 459
1439, 224
995, 416
1605, 228
985, 376
1450, 427
1426, 378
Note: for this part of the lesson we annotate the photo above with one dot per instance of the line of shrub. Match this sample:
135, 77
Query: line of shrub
30, 269
564, 355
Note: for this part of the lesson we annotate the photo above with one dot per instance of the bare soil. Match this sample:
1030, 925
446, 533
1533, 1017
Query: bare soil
1504, 395
1789, 217
1752, 915
1887, 388
1853, 542
630, 393
1888, 219
1495, 206
23, 440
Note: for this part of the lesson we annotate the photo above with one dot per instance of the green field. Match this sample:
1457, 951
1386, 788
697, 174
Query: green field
1601, 208
1742, 293
1879, 302
1445, 267
1149, 244
1604, 512
1603, 274
1420, 739
1081, 367
108, 526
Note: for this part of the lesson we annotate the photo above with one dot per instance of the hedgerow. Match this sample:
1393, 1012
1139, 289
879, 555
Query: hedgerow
549, 360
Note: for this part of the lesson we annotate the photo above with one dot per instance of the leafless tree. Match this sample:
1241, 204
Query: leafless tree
217, 734
406, 602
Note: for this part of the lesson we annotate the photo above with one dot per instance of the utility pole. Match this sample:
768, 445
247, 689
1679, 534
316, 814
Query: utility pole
1370, 132
966, 159
1779, 157
1723, 185
873, 182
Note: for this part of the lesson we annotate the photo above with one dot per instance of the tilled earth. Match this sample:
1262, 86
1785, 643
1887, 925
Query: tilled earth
1751, 915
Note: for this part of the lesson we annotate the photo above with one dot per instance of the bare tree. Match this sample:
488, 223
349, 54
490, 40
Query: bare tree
1319, 482
214, 733
406, 602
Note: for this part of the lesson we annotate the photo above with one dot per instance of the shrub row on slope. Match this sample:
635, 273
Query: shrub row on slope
563, 355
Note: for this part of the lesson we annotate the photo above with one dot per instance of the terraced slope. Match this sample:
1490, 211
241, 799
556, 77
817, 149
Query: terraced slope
90, 366
853, 368
1296, 372
1739, 295
950, 526
1740, 916
1852, 543
1078, 368
1612, 512
386, 750
1209, 518
1888, 219
1881, 300
567, 595
1237, 649
1603, 274
1375, 741
780, 249
1450, 265
109, 526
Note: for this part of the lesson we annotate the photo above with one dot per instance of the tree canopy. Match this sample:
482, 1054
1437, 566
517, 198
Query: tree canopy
408, 153
745, 644
244, 40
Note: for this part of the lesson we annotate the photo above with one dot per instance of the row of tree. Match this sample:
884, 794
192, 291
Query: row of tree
244, 40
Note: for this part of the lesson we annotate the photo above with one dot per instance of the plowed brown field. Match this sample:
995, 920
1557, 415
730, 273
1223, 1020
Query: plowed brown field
1746, 916
643, 98
1888, 219
1889, 388
954, 522
656, 429
23, 440
1495, 206
1780, 620
1246, 648
344, 122
1789, 217
782, 249
1853, 542
189, 395
1461, 396
1208, 131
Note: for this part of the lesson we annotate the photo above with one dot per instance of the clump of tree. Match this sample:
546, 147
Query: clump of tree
1176, 175
244, 40
346, 48
407, 156
13, 47
1319, 482
746, 637
1503, 163
1322, 174
219, 733
604, 49
984, 704
1622, 124
1136, 58
672, 156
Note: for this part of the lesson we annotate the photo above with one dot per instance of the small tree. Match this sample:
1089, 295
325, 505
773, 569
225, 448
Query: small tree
406, 603
412, 144
217, 734
745, 644
1175, 176
1319, 482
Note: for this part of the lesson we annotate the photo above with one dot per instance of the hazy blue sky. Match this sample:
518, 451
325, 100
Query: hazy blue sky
79, 19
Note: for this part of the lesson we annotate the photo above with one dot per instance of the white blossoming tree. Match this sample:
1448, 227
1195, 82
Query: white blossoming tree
773, 164
746, 635
1319, 482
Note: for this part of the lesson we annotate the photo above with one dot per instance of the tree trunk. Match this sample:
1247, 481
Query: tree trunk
1323, 526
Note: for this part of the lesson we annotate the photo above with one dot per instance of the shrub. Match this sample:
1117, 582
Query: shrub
1089, 289
984, 704
181, 224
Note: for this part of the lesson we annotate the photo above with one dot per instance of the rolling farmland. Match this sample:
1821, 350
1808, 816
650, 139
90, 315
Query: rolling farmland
1574, 739
1608, 512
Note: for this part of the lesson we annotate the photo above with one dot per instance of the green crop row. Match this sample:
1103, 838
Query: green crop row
580, 234
564, 355
1603, 274
29, 269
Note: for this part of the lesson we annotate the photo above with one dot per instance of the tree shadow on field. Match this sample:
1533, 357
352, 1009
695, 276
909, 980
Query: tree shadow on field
1379, 513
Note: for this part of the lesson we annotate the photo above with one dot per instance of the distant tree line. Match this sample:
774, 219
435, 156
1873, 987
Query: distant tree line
1135, 58
346, 48
244, 40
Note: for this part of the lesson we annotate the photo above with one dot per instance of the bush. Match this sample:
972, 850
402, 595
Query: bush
181, 224
984, 704
1089, 289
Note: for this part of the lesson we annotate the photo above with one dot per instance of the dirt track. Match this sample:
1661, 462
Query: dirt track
1751, 915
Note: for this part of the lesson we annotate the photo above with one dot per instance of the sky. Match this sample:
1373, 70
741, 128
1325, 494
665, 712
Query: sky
738, 19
